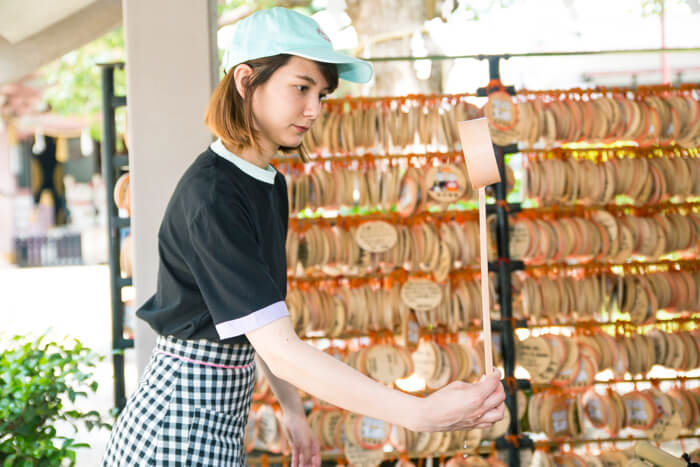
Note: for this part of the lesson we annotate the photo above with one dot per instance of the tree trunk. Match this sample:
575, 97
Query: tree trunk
379, 17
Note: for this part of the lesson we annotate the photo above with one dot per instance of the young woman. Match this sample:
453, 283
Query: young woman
222, 277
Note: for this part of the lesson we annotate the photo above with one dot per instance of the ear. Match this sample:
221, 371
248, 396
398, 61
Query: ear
241, 74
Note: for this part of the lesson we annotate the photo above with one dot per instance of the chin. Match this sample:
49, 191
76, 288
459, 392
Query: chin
292, 142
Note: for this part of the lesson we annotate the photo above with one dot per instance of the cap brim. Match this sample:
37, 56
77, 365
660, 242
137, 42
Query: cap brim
349, 68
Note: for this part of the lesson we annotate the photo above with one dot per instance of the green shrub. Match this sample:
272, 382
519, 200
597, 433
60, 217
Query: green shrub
36, 381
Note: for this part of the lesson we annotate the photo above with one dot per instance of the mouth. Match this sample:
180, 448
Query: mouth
301, 129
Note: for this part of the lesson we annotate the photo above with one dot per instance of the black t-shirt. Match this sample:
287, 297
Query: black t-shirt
222, 264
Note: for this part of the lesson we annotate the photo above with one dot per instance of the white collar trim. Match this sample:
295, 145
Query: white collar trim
266, 175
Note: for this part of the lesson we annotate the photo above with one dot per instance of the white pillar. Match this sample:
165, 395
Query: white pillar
171, 70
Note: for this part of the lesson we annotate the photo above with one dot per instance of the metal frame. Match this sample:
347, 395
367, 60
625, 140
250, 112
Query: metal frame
490, 57
504, 266
111, 164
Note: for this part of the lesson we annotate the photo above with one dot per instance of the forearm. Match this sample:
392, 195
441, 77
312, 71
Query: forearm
328, 379
458, 406
286, 394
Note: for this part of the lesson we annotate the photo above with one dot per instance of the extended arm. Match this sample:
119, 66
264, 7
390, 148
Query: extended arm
459, 406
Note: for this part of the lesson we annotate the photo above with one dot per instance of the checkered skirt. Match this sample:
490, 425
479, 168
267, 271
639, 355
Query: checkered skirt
190, 408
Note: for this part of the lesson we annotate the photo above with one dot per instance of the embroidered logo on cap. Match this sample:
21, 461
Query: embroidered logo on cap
322, 34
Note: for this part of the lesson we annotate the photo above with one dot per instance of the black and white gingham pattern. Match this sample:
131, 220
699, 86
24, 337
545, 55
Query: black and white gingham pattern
185, 413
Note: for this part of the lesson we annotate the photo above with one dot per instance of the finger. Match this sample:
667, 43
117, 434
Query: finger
492, 416
494, 399
483, 425
489, 384
499, 409
308, 451
484, 376
305, 457
497, 372
488, 416
316, 455
294, 456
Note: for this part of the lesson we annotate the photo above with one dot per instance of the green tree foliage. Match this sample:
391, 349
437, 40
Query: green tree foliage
653, 7
74, 80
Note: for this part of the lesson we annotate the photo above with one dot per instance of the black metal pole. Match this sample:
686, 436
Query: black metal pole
506, 303
108, 150
494, 71
504, 269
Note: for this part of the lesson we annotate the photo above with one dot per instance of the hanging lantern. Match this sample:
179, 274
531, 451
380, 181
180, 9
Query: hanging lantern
39, 143
87, 145
423, 68
62, 152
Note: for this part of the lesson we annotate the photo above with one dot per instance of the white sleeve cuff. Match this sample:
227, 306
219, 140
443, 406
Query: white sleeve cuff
253, 321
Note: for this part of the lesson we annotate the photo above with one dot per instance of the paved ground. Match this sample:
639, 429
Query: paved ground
72, 301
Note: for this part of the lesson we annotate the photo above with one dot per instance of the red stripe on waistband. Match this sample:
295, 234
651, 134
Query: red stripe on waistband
232, 367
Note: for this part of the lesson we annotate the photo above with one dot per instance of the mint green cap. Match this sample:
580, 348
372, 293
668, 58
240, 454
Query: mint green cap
278, 30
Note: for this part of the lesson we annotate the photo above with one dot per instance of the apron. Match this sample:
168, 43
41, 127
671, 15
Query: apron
190, 408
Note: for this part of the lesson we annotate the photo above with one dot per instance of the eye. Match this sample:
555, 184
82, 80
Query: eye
322, 97
302, 88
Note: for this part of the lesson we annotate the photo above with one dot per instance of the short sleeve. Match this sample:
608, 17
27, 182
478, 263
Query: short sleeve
229, 269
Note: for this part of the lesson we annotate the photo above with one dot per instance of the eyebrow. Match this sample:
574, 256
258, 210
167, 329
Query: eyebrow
310, 80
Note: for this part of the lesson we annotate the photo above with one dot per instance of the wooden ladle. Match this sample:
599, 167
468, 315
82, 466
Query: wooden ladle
483, 170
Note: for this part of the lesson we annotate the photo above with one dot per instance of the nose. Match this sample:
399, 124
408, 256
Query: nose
312, 108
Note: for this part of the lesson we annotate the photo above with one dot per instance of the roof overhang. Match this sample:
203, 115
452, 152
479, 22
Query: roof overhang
36, 32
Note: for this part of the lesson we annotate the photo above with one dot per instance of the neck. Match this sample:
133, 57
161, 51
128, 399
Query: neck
259, 157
